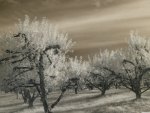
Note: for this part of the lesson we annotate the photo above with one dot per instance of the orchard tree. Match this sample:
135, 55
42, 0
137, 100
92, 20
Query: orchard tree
20, 86
130, 66
76, 71
19, 71
100, 75
38, 41
66, 73
136, 65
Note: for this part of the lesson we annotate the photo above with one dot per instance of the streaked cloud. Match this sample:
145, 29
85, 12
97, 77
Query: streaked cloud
93, 24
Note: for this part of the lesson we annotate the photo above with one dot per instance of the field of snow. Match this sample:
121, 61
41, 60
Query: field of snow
115, 101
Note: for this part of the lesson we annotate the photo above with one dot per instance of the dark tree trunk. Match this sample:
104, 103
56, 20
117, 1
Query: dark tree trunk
42, 85
24, 96
76, 90
138, 95
31, 99
25, 99
103, 91
76, 86
17, 94
137, 89
30, 102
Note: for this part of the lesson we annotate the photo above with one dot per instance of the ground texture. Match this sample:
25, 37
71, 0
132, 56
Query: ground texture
115, 101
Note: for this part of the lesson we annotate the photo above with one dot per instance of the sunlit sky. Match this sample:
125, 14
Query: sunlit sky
94, 24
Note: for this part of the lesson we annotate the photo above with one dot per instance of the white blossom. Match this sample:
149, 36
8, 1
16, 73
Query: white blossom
42, 34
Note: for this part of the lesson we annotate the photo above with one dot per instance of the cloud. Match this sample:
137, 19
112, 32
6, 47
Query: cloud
105, 26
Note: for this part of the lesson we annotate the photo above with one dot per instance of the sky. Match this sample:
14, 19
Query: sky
94, 24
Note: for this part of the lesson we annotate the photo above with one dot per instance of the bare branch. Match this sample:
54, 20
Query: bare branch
12, 52
127, 61
8, 58
18, 68
93, 85
20, 73
48, 57
52, 47
145, 90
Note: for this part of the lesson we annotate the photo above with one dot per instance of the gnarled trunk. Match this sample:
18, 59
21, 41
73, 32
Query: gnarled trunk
42, 85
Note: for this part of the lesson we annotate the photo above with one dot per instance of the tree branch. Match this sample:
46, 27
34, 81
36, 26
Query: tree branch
18, 68
52, 47
145, 90
93, 85
48, 58
58, 99
8, 58
127, 61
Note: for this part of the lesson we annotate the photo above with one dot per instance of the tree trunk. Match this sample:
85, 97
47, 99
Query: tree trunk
24, 96
25, 99
138, 95
76, 86
76, 90
103, 91
137, 88
30, 102
17, 95
42, 85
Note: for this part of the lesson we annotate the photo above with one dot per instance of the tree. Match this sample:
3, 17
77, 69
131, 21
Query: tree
76, 71
136, 65
39, 42
21, 85
130, 66
100, 77
67, 73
